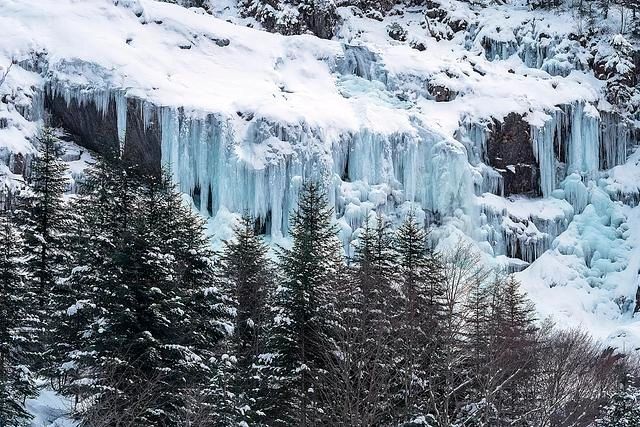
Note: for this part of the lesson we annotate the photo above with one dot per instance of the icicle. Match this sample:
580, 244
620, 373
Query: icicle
614, 140
576, 192
474, 136
543, 150
583, 145
519, 236
499, 49
37, 105
361, 62
147, 112
121, 116
575, 131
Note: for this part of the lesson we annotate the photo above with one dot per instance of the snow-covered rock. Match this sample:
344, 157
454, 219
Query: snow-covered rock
415, 123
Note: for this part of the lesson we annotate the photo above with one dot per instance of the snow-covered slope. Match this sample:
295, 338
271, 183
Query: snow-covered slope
504, 105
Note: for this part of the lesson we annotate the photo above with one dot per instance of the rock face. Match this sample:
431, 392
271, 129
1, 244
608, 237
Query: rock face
90, 128
441, 93
87, 126
17, 164
511, 154
143, 144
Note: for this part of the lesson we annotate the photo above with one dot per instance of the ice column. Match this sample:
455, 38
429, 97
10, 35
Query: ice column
543, 150
121, 116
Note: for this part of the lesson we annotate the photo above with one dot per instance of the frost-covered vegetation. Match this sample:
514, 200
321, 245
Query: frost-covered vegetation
506, 128
115, 300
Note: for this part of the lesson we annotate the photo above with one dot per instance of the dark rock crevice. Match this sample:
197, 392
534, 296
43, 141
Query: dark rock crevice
88, 127
510, 152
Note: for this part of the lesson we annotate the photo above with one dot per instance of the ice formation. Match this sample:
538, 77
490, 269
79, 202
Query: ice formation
243, 117
258, 166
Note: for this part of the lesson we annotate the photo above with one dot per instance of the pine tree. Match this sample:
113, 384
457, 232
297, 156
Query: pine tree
18, 322
72, 306
41, 213
513, 349
419, 322
152, 302
501, 342
300, 334
356, 385
44, 217
622, 410
101, 316
201, 312
249, 277
475, 344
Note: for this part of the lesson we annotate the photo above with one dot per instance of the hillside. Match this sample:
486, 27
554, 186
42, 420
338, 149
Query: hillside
510, 127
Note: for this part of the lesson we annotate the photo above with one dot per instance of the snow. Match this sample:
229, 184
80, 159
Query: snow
49, 410
245, 115
590, 276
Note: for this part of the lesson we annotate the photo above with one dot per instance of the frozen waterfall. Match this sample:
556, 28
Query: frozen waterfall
248, 163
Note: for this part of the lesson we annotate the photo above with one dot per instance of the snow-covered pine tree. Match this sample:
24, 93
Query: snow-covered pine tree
300, 334
622, 410
179, 315
152, 303
18, 327
249, 278
513, 348
419, 322
44, 217
97, 320
200, 314
356, 384
620, 71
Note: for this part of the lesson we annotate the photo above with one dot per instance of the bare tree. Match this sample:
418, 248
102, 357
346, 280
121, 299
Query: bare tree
575, 376
4, 75
108, 408
463, 270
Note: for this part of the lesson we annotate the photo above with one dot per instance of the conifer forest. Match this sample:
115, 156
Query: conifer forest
115, 299
319, 213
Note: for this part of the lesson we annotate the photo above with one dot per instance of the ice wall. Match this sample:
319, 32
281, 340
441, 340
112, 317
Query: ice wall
575, 139
571, 144
249, 163
259, 165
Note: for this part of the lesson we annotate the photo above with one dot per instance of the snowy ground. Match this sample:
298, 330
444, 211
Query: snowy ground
49, 410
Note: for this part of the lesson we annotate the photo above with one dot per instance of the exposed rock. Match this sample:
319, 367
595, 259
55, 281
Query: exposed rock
86, 125
419, 46
441, 93
510, 152
91, 129
396, 32
374, 14
17, 164
322, 22
458, 24
434, 10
